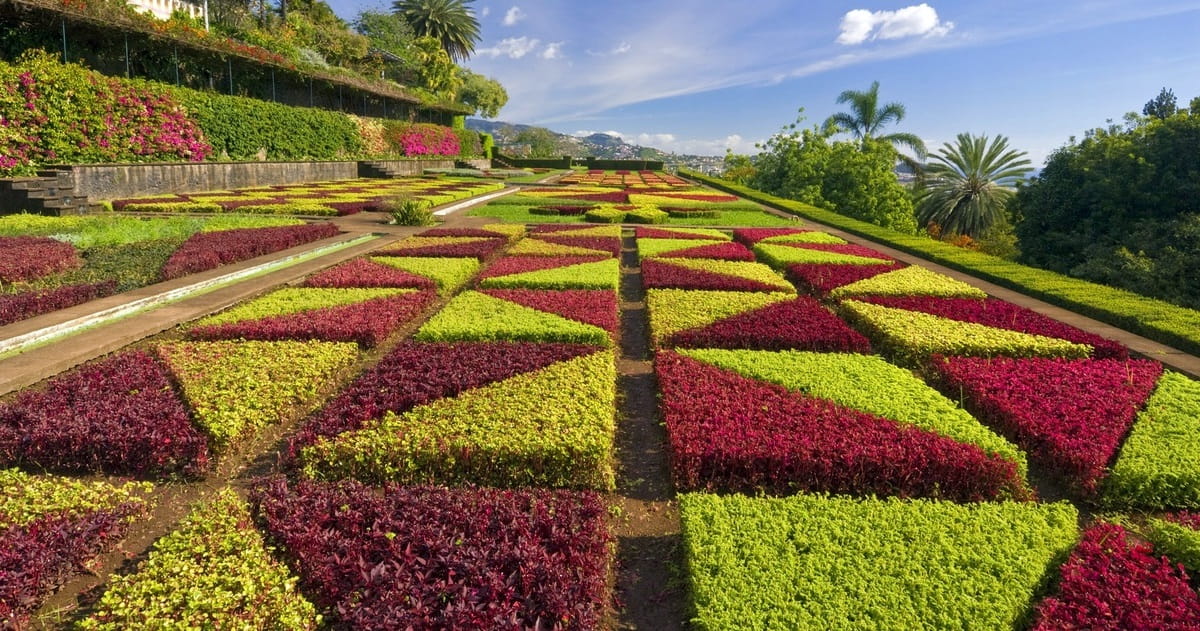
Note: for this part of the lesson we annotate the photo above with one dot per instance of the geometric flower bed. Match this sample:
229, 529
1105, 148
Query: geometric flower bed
508, 231
582, 316
550, 427
817, 562
27, 258
780, 256
750, 236
733, 433
118, 415
1159, 464
693, 248
431, 558
207, 250
568, 230
578, 246
820, 278
674, 310
643, 232
1069, 415
909, 281
366, 316
364, 272
447, 273
1176, 536
612, 245
1113, 581
474, 247
16, 307
236, 388
802, 323
544, 272
711, 274
212, 571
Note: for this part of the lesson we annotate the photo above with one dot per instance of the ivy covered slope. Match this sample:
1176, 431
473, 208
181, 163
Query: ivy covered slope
583, 316
818, 562
50, 528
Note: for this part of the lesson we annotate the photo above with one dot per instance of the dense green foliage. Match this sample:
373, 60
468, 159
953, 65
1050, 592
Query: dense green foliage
866, 119
913, 280
780, 256
473, 316
1159, 465
451, 22
24, 498
448, 273
604, 274
967, 185
675, 310
291, 300
1177, 541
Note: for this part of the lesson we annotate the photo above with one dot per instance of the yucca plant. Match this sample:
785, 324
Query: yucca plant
967, 185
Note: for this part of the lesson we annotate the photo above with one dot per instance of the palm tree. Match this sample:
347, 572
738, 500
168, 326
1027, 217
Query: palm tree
967, 185
866, 119
451, 22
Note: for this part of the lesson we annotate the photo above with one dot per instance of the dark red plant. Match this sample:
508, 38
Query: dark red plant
819, 279
1185, 518
461, 232
29, 258
15, 307
518, 264
612, 245
363, 272
657, 274
477, 249
207, 250
801, 324
749, 236
725, 251
597, 307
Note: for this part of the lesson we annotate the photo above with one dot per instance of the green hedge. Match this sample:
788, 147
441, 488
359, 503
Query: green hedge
1155, 319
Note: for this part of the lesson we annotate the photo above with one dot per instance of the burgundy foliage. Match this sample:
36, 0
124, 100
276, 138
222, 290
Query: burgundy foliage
435, 558
795, 324
477, 249
1004, 315
518, 264
612, 245
461, 232
1185, 518
118, 416
414, 374
658, 274
650, 232
363, 272
38, 558
820, 279
368, 323
572, 211
750, 236
207, 250
1113, 581
14, 307
725, 251
27, 258
730, 433
350, 208
597, 307
1070, 415
841, 248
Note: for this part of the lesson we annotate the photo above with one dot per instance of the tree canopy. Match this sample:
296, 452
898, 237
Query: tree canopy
451, 22
968, 184
867, 118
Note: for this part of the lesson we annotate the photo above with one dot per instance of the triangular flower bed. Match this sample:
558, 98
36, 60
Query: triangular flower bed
749, 236
693, 248
118, 416
1159, 464
478, 316
781, 255
731, 433
550, 427
448, 273
455, 558
909, 281
852, 249
819, 279
612, 245
1070, 415
363, 272
539, 247
555, 273
802, 324
708, 234
712, 275
477, 247
575, 230
674, 310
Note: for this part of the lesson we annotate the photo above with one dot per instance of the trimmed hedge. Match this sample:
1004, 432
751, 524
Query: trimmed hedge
1159, 464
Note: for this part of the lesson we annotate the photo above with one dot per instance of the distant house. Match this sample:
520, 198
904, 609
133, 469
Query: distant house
162, 9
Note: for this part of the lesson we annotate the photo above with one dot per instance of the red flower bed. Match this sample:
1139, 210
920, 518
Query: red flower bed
1004, 315
367, 273
15, 307
819, 279
1113, 581
597, 307
350, 208
368, 323
750, 236
1070, 415
649, 232
434, 558
730, 433
841, 248
28, 258
414, 374
207, 250
725, 251
116, 416
615, 197
662, 275
612, 245
796, 324
518, 264
38, 558
476, 249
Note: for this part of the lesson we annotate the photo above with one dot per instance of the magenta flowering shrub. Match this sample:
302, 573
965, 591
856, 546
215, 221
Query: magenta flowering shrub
612, 245
414, 374
730, 433
29, 258
597, 307
118, 416
363, 272
662, 275
750, 236
724, 251
426, 558
423, 139
367, 323
819, 279
15, 307
1070, 415
519, 264
1003, 315
207, 250
1112, 581
481, 249
801, 324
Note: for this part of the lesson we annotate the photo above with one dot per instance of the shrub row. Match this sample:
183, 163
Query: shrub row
480, 317
207, 250
27, 304
793, 324
711, 274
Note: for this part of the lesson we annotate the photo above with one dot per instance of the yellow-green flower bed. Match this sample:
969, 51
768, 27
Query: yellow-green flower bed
909, 281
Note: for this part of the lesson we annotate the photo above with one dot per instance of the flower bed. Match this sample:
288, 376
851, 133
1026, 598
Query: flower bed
446, 272
207, 250
457, 247
693, 248
1070, 415
560, 230
816, 562
1176, 537
212, 571
708, 234
791, 236
549, 427
612, 245
541, 247
909, 281
1159, 464
750, 236
456, 558
17, 307
1114, 582
364, 272
711, 274
29, 258
508, 231
794, 324
117, 416
569, 273
674, 310
819, 279
492, 316
782, 256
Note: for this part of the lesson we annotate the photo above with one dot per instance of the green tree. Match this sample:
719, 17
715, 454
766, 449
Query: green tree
436, 72
1161, 106
541, 141
968, 184
738, 168
484, 94
451, 22
867, 118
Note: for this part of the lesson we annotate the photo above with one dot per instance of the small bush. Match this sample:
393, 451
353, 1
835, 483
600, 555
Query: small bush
605, 215
646, 216
408, 211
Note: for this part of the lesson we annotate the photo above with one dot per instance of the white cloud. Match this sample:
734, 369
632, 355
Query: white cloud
861, 25
513, 15
512, 47
619, 49
485, 11
553, 50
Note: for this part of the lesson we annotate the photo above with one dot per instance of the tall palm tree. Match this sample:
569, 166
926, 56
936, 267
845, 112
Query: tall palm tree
451, 22
967, 185
866, 119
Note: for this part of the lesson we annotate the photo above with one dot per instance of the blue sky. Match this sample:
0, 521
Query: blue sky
698, 76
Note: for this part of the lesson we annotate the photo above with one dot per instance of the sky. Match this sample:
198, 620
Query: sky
697, 76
